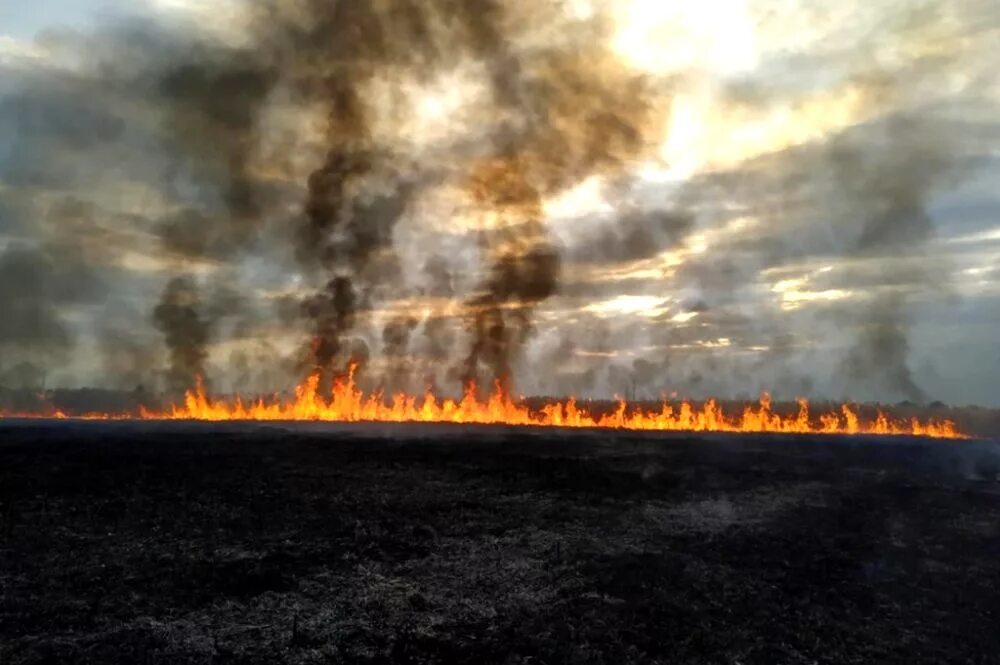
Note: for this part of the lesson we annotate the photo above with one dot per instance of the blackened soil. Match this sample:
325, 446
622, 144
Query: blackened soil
184, 544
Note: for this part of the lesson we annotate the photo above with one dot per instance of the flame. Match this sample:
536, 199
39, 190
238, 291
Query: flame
348, 403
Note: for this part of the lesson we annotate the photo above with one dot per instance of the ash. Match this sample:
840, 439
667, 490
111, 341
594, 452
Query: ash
193, 543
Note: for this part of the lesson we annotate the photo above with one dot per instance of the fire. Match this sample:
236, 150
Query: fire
348, 403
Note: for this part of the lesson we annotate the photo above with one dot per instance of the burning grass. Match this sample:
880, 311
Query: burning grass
347, 402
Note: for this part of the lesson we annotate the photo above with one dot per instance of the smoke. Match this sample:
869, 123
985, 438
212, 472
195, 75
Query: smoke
636, 235
581, 114
332, 312
190, 319
129, 361
260, 369
556, 111
186, 331
356, 196
844, 222
557, 115
31, 325
888, 181
37, 285
160, 123
837, 232
213, 104
881, 352
396, 341
375, 182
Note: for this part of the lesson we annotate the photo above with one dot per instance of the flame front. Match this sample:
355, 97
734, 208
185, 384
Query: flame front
348, 403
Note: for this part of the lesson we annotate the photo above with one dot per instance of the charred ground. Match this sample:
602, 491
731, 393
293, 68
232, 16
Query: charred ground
177, 543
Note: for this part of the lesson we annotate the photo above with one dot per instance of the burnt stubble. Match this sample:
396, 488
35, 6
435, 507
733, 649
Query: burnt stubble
184, 543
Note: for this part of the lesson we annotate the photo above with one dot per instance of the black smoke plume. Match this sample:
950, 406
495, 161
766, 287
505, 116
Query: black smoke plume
186, 331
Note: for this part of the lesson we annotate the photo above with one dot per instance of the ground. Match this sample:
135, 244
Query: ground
182, 543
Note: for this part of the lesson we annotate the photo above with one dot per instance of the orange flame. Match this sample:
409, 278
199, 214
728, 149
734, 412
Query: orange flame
348, 403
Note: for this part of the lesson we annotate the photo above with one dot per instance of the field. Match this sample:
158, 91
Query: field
138, 543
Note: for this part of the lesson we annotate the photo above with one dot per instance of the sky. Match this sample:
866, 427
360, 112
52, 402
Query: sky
23, 20
575, 196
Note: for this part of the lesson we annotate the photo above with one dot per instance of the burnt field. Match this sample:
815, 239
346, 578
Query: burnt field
186, 543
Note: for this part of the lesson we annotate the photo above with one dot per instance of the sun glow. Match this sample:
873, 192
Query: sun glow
663, 37
625, 305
